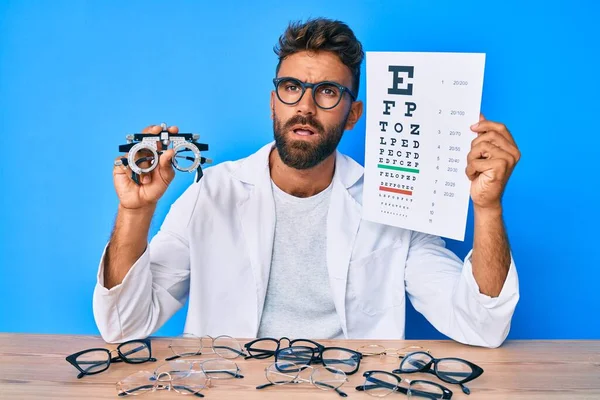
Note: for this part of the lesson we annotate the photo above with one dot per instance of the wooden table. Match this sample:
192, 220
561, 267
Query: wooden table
34, 366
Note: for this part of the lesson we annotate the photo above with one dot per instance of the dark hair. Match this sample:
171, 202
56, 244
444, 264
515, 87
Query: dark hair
323, 34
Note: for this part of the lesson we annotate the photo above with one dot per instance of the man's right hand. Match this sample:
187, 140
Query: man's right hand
152, 184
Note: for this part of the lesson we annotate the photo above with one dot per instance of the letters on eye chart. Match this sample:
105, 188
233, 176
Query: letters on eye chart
420, 107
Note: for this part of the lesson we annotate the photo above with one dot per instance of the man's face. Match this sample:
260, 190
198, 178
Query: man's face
305, 134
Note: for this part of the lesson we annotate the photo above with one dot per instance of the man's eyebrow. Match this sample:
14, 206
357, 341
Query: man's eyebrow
339, 81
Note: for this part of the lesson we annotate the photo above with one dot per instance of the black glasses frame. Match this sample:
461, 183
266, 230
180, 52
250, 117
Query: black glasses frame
376, 384
431, 367
316, 351
314, 86
262, 354
121, 357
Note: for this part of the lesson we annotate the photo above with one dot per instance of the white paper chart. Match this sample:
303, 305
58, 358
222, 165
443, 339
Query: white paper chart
420, 107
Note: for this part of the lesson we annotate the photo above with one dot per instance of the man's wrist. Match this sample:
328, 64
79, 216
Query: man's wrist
488, 212
140, 212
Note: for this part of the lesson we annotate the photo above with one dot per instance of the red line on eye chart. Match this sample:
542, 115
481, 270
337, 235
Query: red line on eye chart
399, 191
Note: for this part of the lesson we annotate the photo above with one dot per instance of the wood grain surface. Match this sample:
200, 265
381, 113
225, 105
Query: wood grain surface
34, 366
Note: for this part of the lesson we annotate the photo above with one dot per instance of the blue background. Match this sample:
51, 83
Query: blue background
76, 77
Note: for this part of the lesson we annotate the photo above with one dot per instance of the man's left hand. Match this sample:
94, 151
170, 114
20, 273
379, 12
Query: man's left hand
493, 156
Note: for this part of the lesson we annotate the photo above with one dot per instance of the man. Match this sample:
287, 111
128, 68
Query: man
274, 244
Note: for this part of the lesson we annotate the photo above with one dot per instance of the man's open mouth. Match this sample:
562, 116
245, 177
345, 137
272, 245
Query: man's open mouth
303, 130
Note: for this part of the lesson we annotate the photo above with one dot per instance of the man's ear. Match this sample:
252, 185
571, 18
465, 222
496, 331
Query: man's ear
272, 104
356, 110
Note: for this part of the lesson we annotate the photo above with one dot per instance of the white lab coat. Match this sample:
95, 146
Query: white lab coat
215, 246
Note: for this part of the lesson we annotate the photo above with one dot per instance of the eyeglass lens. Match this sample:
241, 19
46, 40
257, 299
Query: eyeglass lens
326, 95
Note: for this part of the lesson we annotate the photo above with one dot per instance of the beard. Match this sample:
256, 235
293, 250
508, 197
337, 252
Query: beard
302, 154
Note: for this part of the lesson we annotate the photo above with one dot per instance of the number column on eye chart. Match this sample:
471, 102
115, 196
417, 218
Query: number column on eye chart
437, 128
451, 149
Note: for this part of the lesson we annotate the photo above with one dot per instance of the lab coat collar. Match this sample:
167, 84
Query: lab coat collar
257, 216
254, 169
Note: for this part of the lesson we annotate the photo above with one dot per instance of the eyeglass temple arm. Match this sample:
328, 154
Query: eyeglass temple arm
151, 386
262, 354
395, 388
233, 374
92, 364
117, 359
236, 351
334, 361
198, 353
340, 392
465, 389
136, 389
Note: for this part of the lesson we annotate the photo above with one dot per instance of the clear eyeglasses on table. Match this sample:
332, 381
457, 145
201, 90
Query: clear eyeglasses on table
215, 368
191, 345
178, 376
285, 372
383, 383
378, 350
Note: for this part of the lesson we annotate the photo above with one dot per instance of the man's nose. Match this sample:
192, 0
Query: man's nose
306, 105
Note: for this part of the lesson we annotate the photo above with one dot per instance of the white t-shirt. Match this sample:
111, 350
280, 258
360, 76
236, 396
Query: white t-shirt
299, 302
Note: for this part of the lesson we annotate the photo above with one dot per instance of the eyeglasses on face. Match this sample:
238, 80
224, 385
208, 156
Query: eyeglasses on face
94, 361
449, 369
325, 94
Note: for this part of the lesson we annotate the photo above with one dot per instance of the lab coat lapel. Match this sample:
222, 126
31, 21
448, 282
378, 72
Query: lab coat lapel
343, 220
257, 216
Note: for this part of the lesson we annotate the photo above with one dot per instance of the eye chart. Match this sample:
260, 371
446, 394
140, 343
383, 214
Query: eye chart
420, 107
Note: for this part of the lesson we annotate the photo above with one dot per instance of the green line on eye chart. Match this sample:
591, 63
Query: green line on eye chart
416, 171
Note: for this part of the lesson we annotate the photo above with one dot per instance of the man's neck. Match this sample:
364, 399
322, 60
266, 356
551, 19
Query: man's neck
301, 182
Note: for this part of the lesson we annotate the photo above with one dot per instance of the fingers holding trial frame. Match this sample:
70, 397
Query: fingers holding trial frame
149, 149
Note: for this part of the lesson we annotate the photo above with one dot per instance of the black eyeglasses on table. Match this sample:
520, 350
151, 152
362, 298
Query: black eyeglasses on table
94, 361
449, 369
382, 383
305, 352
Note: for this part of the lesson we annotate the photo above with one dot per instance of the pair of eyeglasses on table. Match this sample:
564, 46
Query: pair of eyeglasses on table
94, 361
378, 350
188, 377
292, 361
305, 352
191, 345
448, 369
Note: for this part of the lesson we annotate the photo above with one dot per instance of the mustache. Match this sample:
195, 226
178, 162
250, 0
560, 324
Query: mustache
305, 120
